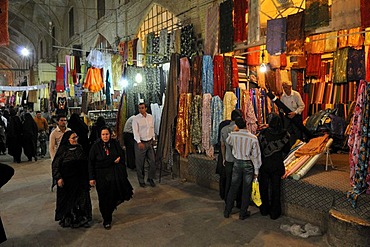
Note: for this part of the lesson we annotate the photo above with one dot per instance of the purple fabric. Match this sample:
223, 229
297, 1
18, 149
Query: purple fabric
276, 36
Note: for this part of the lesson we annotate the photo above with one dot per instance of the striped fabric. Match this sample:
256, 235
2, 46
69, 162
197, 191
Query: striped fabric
245, 147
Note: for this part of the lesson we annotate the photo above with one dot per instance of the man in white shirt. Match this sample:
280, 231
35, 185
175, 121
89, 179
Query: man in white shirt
143, 129
247, 154
57, 134
293, 100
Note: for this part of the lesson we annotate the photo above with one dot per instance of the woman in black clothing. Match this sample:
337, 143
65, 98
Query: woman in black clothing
30, 133
70, 170
108, 172
81, 129
14, 136
6, 173
274, 143
95, 130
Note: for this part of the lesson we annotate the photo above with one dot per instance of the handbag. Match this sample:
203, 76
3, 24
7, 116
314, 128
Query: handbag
256, 197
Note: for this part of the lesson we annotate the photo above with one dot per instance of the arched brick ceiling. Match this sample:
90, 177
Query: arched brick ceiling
28, 22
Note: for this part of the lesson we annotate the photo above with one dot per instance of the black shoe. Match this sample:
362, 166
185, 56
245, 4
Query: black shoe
226, 214
107, 226
151, 182
143, 185
243, 217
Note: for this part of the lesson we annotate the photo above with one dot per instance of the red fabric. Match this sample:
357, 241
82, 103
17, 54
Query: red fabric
219, 85
313, 65
365, 13
4, 34
240, 26
235, 76
253, 57
59, 87
283, 60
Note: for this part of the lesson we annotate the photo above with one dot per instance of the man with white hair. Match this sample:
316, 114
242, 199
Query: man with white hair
293, 100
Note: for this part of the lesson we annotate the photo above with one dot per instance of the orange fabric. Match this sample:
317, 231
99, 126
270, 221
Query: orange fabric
355, 38
343, 38
313, 147
318, 44
94, 80
253, 57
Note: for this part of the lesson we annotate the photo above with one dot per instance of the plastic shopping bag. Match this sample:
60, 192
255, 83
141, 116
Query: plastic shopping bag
256, 197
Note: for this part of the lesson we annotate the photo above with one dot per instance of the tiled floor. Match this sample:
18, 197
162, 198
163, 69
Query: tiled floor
171, 214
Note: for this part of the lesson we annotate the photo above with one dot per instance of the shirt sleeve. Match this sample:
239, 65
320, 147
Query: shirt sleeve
52, 145
256, 156
300, 103
135, 130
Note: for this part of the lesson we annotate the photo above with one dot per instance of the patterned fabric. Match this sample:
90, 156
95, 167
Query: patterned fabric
226, 26
183, 138
184, 76
248, 112
149, 48
313, 65
196, 121
196, 75
276, 36
316, 14
187, 41
295, 34
152, 79
340, 65
217, 118
356, 65
134, 90
317, 44
361, 177
207, 125
116, 71
229, 104
354, 139
207, 75
212, 30
219, 85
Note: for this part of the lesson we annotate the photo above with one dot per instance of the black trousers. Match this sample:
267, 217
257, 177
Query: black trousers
128, 139
270, 188
6, 172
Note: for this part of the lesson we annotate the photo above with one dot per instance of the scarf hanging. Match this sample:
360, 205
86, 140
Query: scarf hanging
240, 26
4, 34
316, 14
212, 30
356, 65
295, 34
226, 26
365, 13
340, 65
345, 14
276, 36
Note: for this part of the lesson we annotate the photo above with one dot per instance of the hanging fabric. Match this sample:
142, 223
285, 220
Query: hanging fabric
184, 76
117, 70
196, 122
254, 8
356, 65
253, 56
330, 42
212, 30
219, 85
345, 14
340, 65
240, 26
226, 26
207, 75
195, 85
295, 34
59, 79
365, 14
316, 14
217, 118
342, 38
207, 125
95, 58
187, 41
229, 104
276, 36
355, 38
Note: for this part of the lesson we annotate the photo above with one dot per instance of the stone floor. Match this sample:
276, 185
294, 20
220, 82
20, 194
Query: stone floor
174, 213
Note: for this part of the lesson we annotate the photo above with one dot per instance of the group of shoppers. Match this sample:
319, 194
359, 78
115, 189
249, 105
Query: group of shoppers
245, 156
80, 163
19, 130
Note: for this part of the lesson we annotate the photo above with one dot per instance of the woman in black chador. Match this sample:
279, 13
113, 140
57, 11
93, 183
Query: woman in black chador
274, 143
108, 172
81, 129
30, 133
14, 136
70, 170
